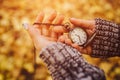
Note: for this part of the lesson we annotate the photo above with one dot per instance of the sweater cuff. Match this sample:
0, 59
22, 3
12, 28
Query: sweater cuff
107, 41
67, 63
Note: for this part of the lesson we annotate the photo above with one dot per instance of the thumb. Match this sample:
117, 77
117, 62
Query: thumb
33, 32
87, 24
37, 38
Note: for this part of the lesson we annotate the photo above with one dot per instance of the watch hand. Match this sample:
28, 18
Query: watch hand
78, 38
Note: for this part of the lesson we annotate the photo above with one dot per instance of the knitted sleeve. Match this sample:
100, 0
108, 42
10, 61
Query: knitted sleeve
66, 63
107, 41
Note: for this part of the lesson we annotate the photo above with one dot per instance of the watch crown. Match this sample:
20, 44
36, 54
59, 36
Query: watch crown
67, 26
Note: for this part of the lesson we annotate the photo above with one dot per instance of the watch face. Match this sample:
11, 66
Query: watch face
78, 36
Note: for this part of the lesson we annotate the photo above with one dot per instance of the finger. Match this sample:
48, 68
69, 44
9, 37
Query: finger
34, 34
88, 24
89, 50
75, 46
53, 34
52, 16
59, 29
61, 39
86, 50
89, 32
67, 39
39, 19
45, 29
58, 20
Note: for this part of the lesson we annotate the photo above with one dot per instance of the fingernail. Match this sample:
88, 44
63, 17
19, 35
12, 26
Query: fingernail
25, 26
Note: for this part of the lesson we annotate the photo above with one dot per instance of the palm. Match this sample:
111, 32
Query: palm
89, 26
42, 35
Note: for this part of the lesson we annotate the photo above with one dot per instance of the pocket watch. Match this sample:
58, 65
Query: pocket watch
77, 35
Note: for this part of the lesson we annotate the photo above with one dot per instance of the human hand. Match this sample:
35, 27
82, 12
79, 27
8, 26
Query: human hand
88, 25
41, 34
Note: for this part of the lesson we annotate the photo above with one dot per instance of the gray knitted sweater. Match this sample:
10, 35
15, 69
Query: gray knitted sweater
66, 63
107, 41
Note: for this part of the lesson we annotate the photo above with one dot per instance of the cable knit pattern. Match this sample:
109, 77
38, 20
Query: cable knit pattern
66, 63
107, 41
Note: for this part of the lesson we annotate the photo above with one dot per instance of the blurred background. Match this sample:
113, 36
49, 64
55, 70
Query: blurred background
17, 50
